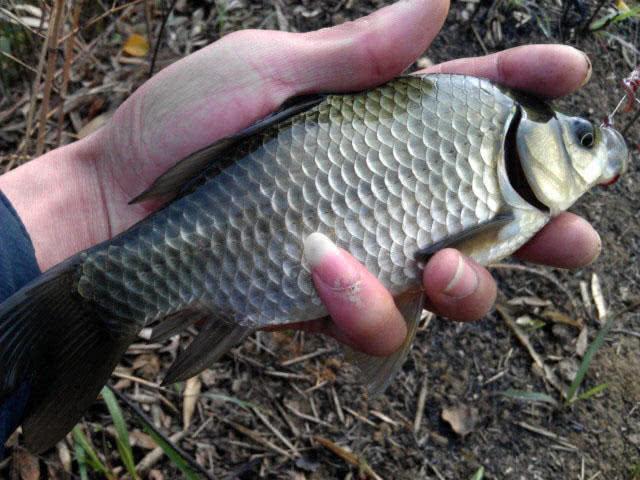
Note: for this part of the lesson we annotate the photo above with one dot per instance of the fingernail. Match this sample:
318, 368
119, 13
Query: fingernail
316, 247
589, 69
597, 251
330, 267
464, 282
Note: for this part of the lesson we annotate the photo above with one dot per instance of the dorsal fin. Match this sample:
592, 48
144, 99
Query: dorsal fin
173, 182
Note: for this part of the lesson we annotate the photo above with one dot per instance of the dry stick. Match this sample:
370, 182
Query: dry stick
24, 147
138, 412
542, 273
159, 39
524, 340
349, 457
69, 45
154, 456
99, 17
52, 56
422, 399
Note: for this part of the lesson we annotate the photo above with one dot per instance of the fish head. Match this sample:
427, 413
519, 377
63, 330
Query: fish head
563, 157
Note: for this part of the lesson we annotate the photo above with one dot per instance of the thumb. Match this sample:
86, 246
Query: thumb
246, 75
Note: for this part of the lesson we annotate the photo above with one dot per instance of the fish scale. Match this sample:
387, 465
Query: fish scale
382, 173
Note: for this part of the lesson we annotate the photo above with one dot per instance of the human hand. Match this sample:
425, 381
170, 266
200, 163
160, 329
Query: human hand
246, 75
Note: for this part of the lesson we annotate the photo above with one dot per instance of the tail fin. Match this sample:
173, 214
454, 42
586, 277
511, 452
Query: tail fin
64, 346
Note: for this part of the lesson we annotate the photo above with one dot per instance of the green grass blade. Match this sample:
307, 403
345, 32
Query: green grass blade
234, 400
90, 456
479, 475
175, 457
122, 434
592, 391
530, 396
81, 458
588, 357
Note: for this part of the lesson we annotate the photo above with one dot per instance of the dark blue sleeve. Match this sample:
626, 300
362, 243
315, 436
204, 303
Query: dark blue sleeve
18, 266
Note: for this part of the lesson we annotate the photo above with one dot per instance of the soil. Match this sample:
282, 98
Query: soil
454, 365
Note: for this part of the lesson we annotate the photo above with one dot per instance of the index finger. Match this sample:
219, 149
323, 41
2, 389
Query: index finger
546, 70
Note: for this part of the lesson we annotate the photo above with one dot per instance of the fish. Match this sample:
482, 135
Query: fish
392, 175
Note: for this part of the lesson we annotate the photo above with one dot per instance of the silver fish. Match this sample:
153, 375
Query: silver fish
392, 175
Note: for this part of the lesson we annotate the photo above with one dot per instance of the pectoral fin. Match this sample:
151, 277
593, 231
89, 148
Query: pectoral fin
470, 239
378, 372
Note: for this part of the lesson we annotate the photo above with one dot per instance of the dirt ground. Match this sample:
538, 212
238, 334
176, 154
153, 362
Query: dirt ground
259, 415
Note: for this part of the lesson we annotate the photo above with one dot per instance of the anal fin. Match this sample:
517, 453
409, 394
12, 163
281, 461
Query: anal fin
377, 372
215, 339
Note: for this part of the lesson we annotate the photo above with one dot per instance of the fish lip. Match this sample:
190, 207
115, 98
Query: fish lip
618, 156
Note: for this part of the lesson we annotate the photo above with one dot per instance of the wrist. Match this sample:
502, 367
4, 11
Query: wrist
58, 198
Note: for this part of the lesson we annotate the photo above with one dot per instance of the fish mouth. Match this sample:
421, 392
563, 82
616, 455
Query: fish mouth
513, 165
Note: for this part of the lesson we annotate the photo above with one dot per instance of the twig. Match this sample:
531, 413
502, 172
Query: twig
274, 430
542, 273
258, 439
95, 20
336, 401
308, 356
626, 332
154, 456
479, 39
52, 56
435, 470
348, 457
548, 434
304, 416
360, 417
69, 45
18, 61
524, 340
24, 147
149, 423
422, 400
156, 49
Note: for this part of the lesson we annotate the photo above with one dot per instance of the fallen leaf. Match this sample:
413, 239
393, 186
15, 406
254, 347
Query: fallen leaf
424, 62
142, 440
136, 45
96, 123
462, 418
191, 395
582, 341
598, 298
64, 455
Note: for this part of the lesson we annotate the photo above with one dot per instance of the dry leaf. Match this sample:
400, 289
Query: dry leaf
136, 45
582, 341
64, 455
424, 62
148, 365
462, 418
559, 317
155, 475
26, 465
191, 395
142, 440
567, 368
96, 123
598, 298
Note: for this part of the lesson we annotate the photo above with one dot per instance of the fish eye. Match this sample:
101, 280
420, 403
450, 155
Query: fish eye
584, 132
